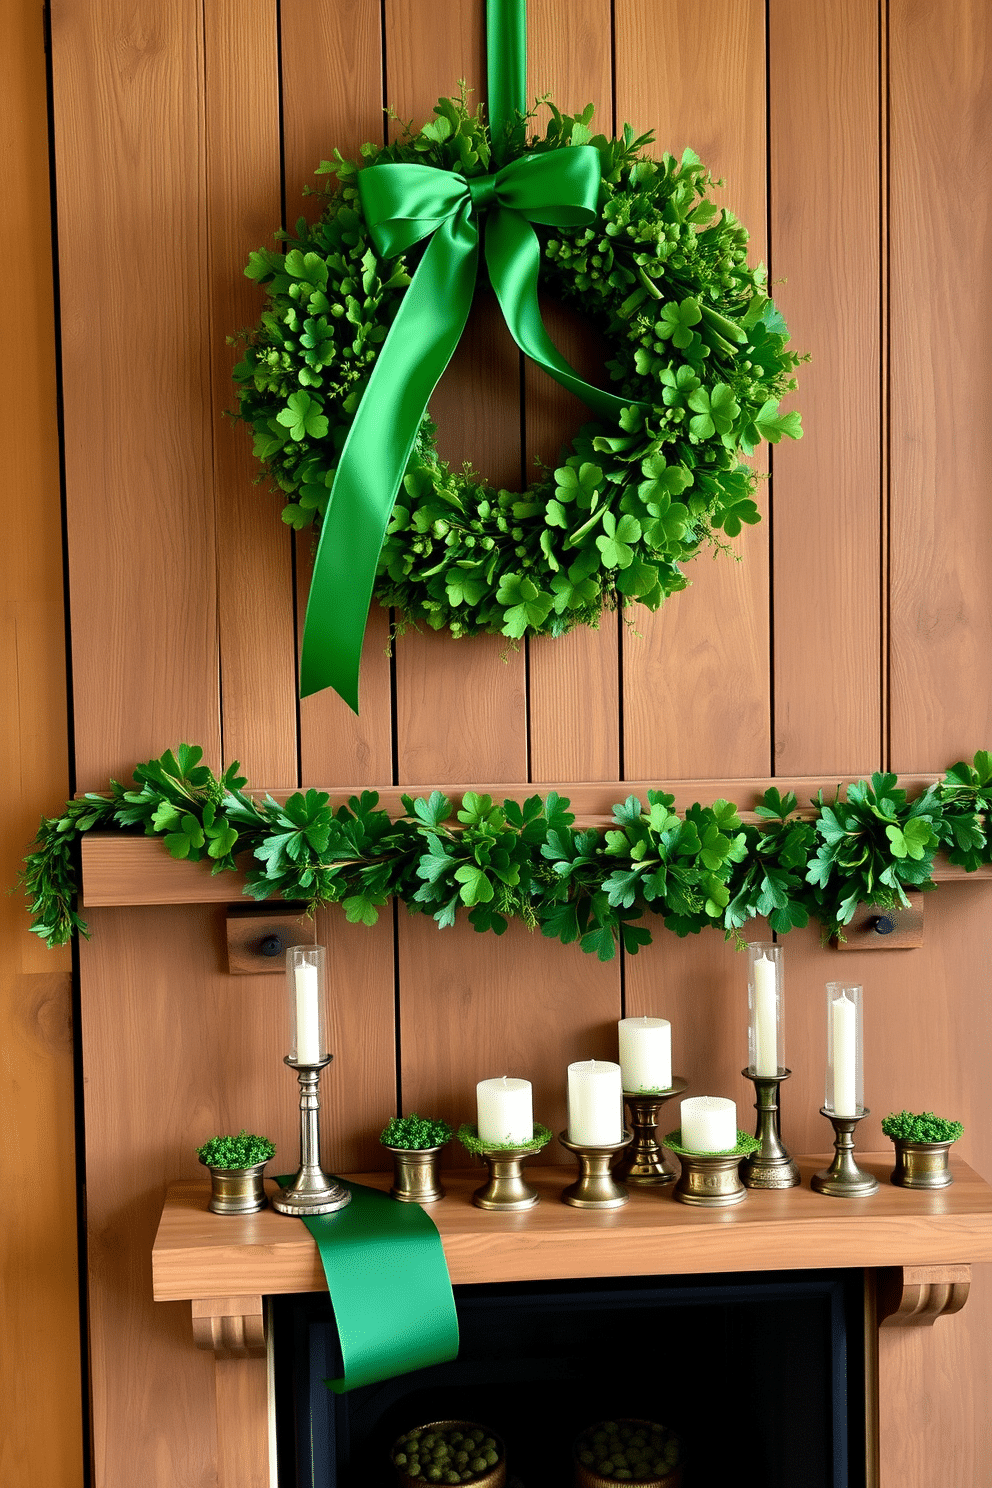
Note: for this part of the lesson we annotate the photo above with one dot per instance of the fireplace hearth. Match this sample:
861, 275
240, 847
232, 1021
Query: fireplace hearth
760, 1373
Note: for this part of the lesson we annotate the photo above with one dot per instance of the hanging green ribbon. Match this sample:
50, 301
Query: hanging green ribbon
404, 204
389, 1287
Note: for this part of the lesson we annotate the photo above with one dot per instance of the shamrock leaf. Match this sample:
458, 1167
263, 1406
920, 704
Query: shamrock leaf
475, 886
715, 411
676, 321
526, 605
662, 480
614, 545
578, 482
302, 416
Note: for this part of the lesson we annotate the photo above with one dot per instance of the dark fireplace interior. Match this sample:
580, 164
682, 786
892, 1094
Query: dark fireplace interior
760, 1374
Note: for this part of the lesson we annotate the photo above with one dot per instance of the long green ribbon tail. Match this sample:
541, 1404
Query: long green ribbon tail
404, 204
389, 1287
506, 63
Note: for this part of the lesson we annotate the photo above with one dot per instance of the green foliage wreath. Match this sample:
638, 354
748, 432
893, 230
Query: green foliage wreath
692, 334
528, 861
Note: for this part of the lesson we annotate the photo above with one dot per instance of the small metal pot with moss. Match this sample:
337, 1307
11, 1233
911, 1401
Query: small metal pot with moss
416, 1143
450, 1452
923, 1145
628, 1451
236, 1166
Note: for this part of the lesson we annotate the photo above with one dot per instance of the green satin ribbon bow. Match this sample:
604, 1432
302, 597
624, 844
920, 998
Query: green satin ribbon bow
403, 204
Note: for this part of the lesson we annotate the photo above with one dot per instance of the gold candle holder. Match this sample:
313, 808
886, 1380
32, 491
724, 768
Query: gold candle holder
311, 1191
595, 1187
507, 1187
710, 1180
415, 1174
644, 1161
844, 1179
771, 1166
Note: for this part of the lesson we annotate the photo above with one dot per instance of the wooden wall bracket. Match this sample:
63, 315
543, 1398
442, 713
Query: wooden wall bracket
232, 1327
916, 1296
877, 928
259, 935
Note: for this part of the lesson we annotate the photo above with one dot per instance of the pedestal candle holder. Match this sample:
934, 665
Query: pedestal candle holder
595, 1187
771, 1166
311, 1191
507, 1187
844, 1179
710, 1180
643, 1163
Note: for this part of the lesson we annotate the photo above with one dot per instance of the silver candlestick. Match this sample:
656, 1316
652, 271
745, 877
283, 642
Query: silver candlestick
311, 1191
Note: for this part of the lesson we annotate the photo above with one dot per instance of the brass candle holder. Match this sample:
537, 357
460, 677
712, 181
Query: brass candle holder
595, 1187
311, 1191
644, 1162
771, 1166
844, 1179
507, 1187
710, 1180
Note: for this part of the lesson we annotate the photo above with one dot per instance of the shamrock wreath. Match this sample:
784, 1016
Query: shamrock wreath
698, 363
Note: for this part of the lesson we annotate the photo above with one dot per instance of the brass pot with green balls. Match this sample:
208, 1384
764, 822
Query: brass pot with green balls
628, 1451
237, 1167
415, 1143
923, 1145
450, 1452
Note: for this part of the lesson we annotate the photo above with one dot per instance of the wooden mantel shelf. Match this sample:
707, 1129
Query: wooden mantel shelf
198, 1255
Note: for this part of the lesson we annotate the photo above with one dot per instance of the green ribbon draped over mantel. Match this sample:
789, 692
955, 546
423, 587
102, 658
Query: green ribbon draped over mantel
394, 1309
403, 205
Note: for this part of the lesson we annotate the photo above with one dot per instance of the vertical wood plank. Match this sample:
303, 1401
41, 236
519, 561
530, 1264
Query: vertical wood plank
136, 370
473, 1007
41, 1423
940, 152
574, 688
254, 549
696, 687
460, 704
338, 44
824, 117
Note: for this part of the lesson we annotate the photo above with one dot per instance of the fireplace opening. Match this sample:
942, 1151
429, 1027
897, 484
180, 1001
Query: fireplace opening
760, 1374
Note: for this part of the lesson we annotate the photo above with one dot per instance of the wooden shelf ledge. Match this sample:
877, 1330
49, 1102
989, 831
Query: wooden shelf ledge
198, 1255
122, 870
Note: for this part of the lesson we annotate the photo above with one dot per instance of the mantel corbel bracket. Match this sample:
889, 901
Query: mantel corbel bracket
231, 1327
916, 1296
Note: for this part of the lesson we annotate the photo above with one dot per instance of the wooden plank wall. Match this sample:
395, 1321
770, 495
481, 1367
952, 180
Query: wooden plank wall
854, 139
41, 1422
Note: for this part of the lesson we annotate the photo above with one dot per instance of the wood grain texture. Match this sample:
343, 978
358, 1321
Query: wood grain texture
473, 1006
244, 1456
254, 549
129, 150
41, 1423
824, 106
338, 42
791, 1228
460, 704
940, 161
696, 691
574, 687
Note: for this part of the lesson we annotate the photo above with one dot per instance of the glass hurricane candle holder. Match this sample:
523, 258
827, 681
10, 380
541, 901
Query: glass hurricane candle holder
305, 994
765, 988
844, 1083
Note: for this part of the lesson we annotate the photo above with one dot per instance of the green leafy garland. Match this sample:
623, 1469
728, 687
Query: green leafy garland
662, 275
529, 861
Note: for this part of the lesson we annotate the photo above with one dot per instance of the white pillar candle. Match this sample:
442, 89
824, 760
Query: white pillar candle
505, 1111
844, 1032
765, 1017
595, 1103
308, 1050
709, 1124
645, 1053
